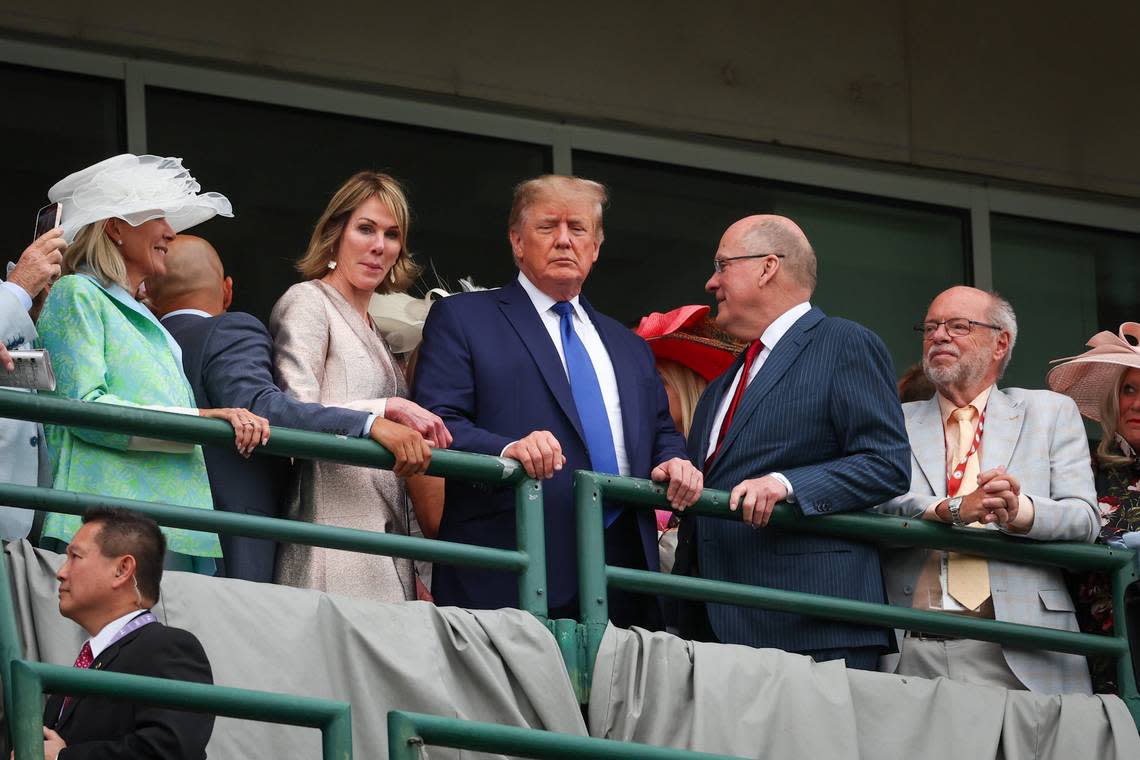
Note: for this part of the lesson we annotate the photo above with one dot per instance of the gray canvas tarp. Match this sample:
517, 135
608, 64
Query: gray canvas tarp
501, 667
764, 703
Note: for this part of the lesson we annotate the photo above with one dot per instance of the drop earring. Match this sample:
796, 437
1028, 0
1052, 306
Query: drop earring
392, 274
331, 265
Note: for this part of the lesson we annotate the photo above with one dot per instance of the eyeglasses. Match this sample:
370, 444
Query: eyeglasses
720, 264
957, 327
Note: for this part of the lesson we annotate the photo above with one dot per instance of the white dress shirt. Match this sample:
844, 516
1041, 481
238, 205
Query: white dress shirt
100, 641
770, 338
599, 357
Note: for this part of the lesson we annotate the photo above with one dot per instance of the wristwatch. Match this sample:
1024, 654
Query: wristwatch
955, 507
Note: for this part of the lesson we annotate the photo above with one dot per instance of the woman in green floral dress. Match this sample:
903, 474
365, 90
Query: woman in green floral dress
106, 347
1105, 383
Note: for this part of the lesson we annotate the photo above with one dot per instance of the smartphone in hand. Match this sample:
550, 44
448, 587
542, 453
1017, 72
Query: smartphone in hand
47, 219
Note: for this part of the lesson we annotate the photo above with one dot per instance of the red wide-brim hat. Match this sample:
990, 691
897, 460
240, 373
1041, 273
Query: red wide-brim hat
688, 336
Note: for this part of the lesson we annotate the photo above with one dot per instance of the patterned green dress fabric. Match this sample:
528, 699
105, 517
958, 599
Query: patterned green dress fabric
106, 349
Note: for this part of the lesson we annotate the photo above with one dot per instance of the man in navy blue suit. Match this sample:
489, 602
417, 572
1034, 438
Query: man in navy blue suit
807, 415
531, 371
228, 358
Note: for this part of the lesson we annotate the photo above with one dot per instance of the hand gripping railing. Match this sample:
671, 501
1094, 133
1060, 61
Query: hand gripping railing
528, 560
409, 733
595, 576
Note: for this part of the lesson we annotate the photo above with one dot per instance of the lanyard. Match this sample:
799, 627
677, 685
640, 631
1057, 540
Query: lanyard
954, 478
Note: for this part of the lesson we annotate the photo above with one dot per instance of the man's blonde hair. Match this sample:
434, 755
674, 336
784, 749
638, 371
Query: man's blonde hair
532, 190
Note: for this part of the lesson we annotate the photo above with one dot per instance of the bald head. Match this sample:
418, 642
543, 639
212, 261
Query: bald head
768, 267
768, 233
194, 279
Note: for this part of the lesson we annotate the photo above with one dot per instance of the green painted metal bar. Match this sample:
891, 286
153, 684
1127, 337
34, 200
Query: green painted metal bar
282, 441
291, 531
409, 732
593, 599
882, 529
1125, 666
11, 645
530, 537
32, 679
852, 611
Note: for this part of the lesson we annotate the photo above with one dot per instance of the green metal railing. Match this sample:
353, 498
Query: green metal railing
577, 641
32, 679
409, 732
595, 576
528, 560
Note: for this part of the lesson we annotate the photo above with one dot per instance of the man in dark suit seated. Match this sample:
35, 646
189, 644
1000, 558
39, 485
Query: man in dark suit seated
533, 372
107, 585
808, 415
228, 358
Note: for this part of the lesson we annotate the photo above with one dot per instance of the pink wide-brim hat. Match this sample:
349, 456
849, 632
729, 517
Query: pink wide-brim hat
688, 336
1090, 377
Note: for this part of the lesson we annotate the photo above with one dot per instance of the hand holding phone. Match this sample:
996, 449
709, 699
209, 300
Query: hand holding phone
41, 262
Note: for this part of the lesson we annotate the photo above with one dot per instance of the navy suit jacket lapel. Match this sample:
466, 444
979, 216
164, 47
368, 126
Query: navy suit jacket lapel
779, 360
520, 313
628, 392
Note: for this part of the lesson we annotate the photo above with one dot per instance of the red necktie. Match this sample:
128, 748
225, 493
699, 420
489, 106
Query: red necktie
84, 661
754, 350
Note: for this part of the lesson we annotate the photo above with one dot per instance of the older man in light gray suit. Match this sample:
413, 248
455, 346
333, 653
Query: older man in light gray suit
1013, 460
22, 455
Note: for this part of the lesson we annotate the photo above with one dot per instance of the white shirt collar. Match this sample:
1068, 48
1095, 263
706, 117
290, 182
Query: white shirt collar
782, 324
102, 640
542, 302
195, 312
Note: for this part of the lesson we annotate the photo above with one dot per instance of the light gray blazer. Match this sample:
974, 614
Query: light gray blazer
1039, 437
22, 453
325, 353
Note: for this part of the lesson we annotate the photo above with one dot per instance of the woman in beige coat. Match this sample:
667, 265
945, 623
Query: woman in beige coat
329, 351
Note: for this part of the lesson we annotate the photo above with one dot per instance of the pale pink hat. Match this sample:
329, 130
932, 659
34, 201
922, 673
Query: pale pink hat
1090, 377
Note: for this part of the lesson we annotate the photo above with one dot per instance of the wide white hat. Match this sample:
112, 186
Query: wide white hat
135, 189
1091, 376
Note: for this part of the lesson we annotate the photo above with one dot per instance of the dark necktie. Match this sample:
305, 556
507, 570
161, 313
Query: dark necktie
750, 355
587, 394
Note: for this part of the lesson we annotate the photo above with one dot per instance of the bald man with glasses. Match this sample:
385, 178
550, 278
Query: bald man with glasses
807, 415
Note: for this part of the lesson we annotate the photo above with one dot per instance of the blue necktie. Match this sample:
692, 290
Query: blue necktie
587, 394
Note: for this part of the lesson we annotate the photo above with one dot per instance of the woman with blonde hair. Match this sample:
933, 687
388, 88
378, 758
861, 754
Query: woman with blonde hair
329, 351
119, 217
1105, 383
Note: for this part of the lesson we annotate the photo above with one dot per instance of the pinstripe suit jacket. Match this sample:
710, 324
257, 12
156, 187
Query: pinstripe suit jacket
823, 412
1039, 438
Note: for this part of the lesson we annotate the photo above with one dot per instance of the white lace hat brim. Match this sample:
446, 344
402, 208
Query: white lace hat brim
135, 189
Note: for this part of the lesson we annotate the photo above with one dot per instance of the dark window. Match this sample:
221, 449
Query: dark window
1065, 283
52, 124
880, 263
279, 167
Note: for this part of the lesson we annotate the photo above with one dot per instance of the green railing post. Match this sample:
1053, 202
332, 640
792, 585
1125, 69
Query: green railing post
10, 642
530, 533
1125, 576
403, 743
26, 718
593, 597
